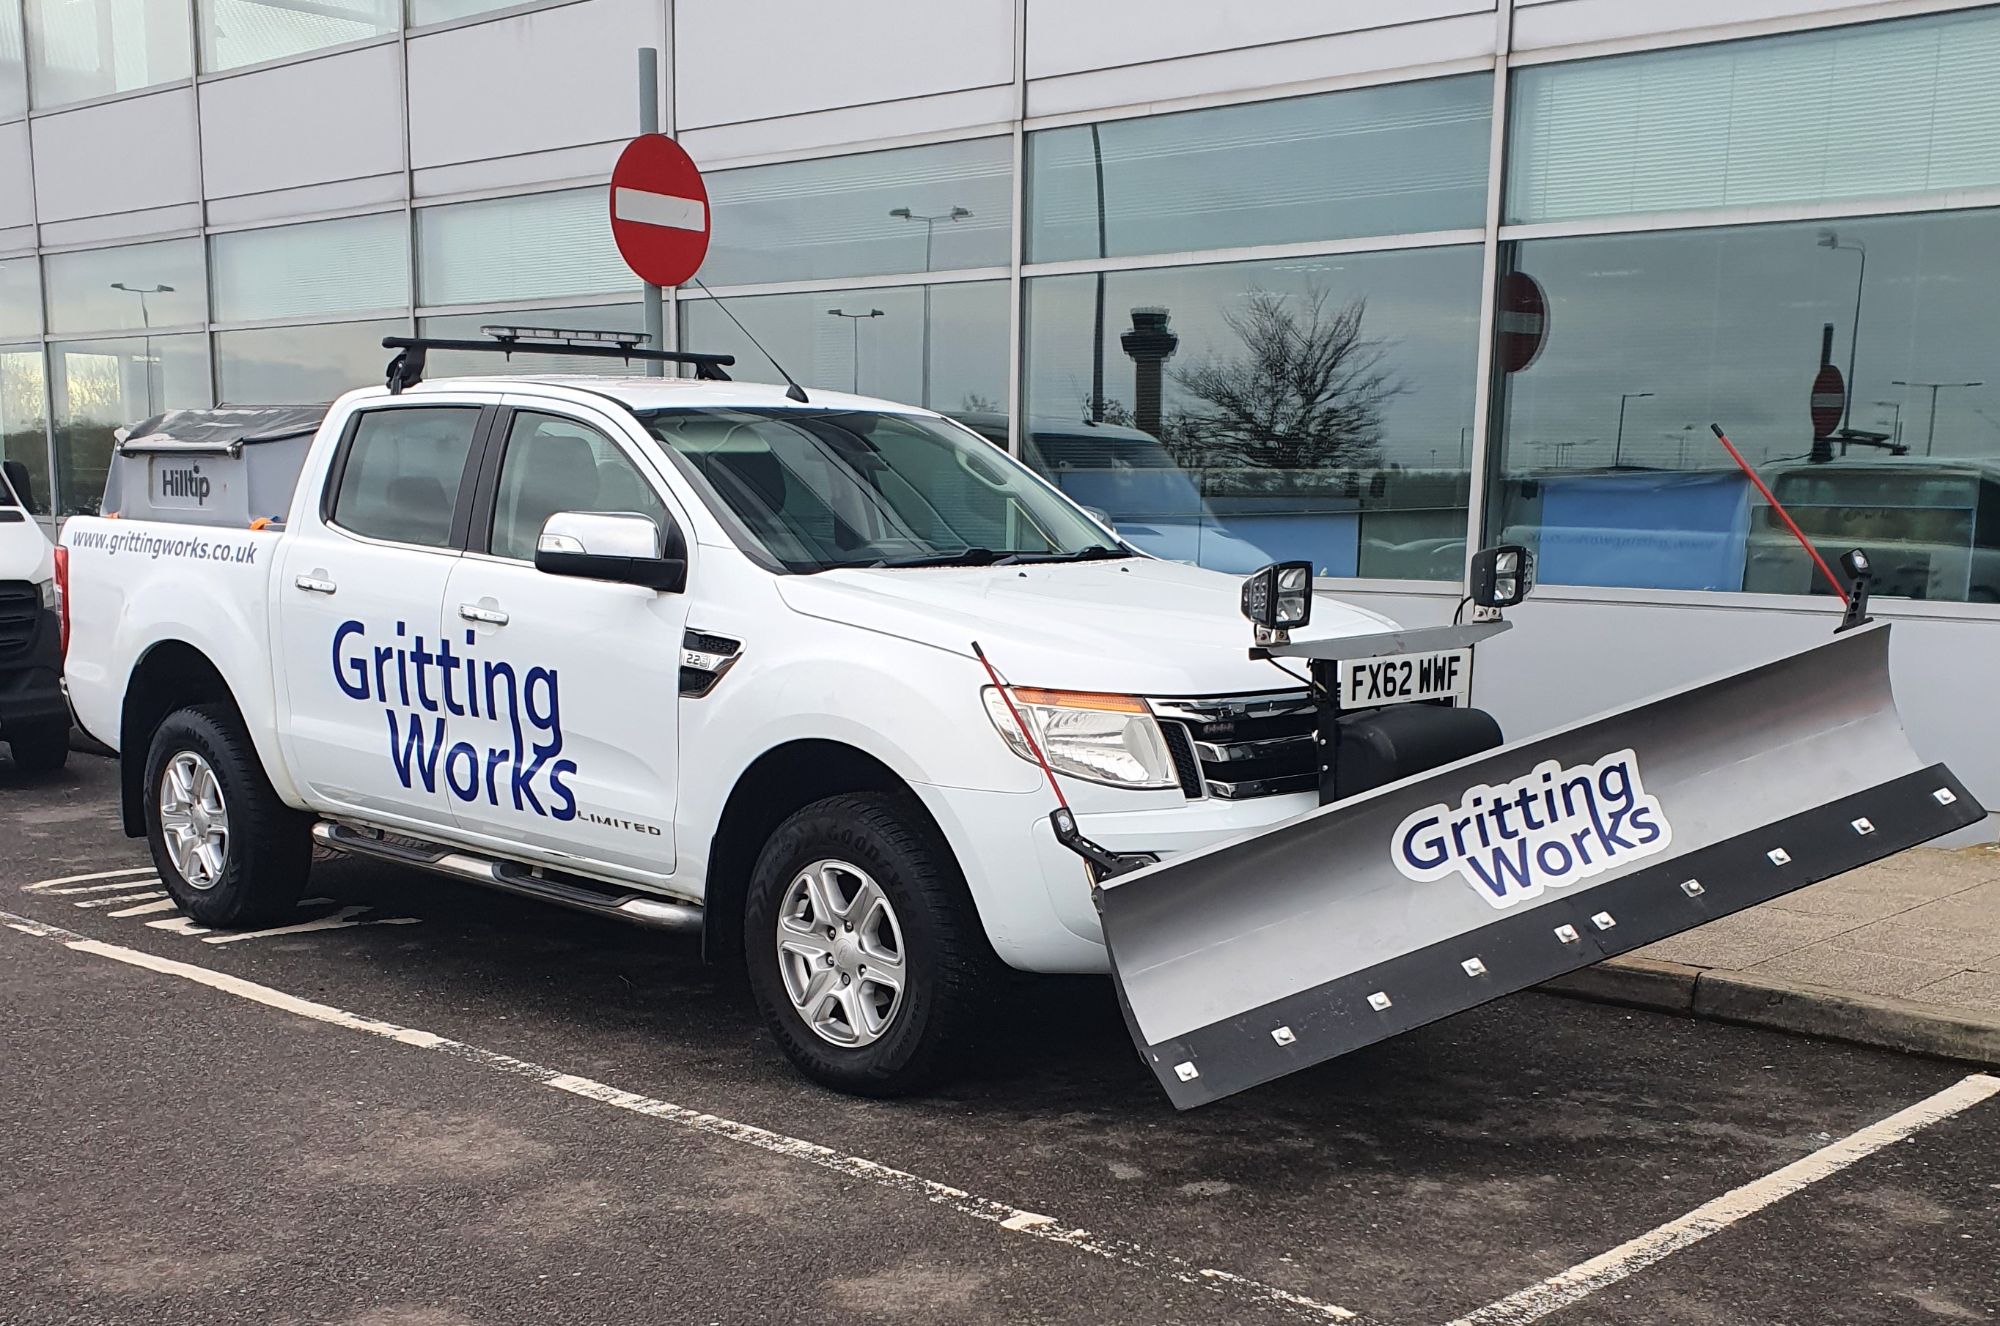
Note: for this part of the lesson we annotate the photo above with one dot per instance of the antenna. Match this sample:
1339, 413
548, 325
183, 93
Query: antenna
793, 391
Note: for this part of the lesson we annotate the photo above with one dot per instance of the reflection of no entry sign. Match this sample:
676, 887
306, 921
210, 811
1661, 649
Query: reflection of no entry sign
659, 210
1829, 398
1522, 318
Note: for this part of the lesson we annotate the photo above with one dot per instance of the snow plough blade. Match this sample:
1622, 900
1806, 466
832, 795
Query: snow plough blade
1389, 910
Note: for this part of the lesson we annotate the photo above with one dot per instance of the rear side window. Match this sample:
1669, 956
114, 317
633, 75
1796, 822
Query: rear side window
402, 472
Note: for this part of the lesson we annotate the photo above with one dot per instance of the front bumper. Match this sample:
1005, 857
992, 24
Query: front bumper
1034, 894
31, 691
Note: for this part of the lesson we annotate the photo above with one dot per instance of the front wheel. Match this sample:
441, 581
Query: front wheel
865, 954
229, 852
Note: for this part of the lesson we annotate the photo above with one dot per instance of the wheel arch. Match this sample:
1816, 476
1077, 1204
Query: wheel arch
778, 783
171, 675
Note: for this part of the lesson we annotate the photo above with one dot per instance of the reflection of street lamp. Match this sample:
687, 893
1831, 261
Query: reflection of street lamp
1618, 446
1830, 239
856, 319
1930, 430
145, 321
930, 231
1896, 427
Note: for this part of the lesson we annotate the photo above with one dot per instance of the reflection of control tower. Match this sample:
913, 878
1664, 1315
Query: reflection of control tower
1150, 345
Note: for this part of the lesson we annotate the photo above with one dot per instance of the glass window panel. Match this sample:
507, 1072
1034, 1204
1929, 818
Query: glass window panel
1607, 464
127, 289
553, 465
80, 49
13, 62
842, 216
342, 266
1373, 161
872, 342
20, 298
100, 386
542, 246
24, 419
302, 365
465, 326
1313, 408
402, 473
240, 32
444, 11
1905, 107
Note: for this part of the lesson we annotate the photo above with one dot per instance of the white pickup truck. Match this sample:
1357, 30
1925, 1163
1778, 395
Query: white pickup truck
879, 712
694, 654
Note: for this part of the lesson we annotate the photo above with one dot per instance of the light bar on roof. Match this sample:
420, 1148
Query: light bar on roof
566, 335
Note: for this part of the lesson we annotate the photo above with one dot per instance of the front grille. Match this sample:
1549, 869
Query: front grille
1243, 745
20, 606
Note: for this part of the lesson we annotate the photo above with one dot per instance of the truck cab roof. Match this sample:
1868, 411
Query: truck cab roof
649, 393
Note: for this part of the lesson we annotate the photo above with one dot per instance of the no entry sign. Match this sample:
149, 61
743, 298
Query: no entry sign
659, 210
1829, 398
1522, 318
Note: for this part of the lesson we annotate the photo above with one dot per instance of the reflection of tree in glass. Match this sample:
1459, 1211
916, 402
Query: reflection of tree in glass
1308, 394
976, 403
1110, 410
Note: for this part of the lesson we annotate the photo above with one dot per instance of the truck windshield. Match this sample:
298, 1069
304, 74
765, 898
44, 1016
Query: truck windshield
820, 489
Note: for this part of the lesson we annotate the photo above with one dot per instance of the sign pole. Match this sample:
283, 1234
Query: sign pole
649, 123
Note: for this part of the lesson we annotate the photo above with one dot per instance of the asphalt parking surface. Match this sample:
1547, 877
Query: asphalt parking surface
183, 1153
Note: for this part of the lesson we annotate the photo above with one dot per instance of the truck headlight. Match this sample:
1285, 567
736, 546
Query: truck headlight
1110, 739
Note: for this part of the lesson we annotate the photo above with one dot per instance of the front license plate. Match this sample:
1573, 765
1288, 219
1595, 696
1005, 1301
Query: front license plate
1402, 678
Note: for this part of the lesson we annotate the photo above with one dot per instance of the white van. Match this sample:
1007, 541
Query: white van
34, 718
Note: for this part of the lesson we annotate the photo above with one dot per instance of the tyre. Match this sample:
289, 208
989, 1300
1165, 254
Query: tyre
229, 852
864, 952
40, 748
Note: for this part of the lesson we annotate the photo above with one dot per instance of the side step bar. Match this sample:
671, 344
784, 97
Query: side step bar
609, 900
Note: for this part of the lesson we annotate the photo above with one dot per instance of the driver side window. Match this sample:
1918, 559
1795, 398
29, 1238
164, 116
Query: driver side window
553, 464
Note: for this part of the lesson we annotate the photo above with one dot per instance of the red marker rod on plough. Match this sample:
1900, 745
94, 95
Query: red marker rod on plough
1856, 562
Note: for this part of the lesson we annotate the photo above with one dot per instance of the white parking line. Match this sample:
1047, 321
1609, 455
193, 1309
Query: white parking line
147, 909
1011, 1219
147, 896
340, 920
1586, 1278
78, 879
178, 925
102, 888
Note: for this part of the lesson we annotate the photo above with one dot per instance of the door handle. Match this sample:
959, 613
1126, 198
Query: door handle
472, 612
314, 584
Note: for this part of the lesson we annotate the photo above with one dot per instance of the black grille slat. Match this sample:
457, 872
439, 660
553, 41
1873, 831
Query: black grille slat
20, 607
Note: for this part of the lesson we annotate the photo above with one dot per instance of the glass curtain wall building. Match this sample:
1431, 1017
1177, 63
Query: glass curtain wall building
1361, 314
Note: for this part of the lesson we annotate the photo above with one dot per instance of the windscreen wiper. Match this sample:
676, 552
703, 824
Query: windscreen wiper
1081, 555
988, 557
963, 557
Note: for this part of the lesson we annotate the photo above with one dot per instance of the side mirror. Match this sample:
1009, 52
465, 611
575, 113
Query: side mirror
1502, 575
613, 545
18, 479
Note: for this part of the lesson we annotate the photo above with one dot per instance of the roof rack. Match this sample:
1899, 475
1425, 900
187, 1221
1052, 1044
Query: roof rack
407, 368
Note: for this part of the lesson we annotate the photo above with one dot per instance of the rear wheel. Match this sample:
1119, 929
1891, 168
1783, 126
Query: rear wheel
39, 747
864, 952
229, 852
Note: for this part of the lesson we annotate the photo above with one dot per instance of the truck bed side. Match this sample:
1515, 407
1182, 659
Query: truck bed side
159, 614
